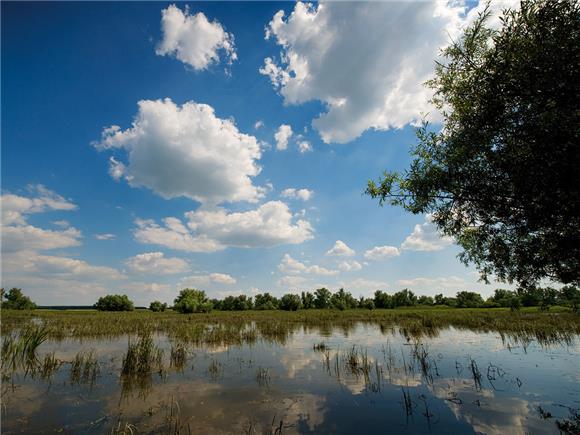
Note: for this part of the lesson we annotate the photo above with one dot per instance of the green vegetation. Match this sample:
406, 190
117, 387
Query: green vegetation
114, 303
15, 300
499, 176
157, 306
192, 301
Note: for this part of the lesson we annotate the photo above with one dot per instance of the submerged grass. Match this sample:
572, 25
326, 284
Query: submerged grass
246, 327
84, 368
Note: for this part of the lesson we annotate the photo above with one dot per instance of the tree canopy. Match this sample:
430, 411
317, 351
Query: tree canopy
114, 303
501, 175
15, 300
192, 301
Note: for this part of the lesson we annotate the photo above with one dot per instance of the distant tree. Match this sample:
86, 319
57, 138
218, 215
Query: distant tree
237, 303
192, 301
469, 300
15, 300
425, 300
570, 295
114, 303
549, 298
322, 298
499, 176
307, 300
265, 302
439, 299
383, 300
404, 298
290, 302
342, 300
531, 296
157, 306
367, 303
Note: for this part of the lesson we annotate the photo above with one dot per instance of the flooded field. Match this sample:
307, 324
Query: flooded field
357, 378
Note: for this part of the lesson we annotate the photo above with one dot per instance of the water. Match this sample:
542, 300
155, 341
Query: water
364, 381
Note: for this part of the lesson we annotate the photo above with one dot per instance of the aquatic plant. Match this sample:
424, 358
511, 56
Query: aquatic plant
84, 368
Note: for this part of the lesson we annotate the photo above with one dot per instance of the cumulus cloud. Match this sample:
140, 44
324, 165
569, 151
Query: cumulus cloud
382, 252
291, 281
292, 266
259, 124
193, 39
15, 208
303, 194
206, 279
157, 263
282, 136
349, 266
364, 286
304, 147
209, 230
426, 237
341, 249
366, 61
28, 237
185, 151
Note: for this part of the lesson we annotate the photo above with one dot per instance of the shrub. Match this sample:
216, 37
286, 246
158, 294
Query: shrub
157, 306
114, 303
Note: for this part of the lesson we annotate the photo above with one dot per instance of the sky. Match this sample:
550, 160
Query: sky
149, 146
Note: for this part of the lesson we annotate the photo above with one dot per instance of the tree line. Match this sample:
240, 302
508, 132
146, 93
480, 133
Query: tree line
196, 301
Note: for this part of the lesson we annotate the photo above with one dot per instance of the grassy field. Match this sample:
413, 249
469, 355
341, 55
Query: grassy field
229, 327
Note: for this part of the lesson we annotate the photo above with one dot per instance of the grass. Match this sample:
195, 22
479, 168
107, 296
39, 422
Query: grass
84, 368
241, 327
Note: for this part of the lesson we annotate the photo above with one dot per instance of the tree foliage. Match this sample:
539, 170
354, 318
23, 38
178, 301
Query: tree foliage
192, 301
114, 303
15, 300
501, 176
157, 306
290, 302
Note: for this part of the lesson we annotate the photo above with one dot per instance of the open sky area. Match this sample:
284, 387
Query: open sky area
149, 147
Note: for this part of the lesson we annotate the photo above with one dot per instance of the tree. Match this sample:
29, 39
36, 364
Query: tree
367, 303
469, 300
425, 300
322, 298
439, 299
265, 302
307, 300
15, 300
383, 300
570, 295
404, 298
501, 175
157, 306
342, 300
192, 301
290, 302
114, 303
237, 303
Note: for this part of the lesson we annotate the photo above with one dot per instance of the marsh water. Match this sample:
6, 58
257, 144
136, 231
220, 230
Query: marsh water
358, 381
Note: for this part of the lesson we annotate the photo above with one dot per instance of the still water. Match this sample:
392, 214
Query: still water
360, 381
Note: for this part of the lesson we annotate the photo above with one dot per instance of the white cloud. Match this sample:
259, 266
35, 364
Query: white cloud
56, 267
209, 230
16, 207
303, 194
382, 252
292, 266
259, 124
363, 286
450, 282
426, 237
28, 237
340, 249
105, 236
185, 151
282, 136
193, 39
367, 61
304, 147
349, 266
62, 223
291, 281
157, 263
207, 279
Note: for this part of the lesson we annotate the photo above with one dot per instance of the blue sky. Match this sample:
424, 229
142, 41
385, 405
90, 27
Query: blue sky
226, 146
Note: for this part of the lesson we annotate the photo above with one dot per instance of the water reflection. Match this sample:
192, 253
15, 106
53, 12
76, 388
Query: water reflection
358, 378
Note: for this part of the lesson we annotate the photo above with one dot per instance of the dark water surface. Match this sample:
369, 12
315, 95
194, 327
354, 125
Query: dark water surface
362, 381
